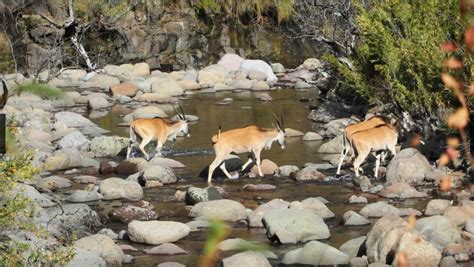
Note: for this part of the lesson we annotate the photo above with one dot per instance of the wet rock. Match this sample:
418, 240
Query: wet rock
357, 199
157, 232
172, 163
285, 170
124, 89
278, 68
249, 65
267, 166
84, 257
170, 264
85, 179
438, 230
417, 250
230, 62
101, 81
145, 112
363, 182
260, 86
258, 187
352, 246
108, 146
302, 85
353, 218
329, 111
131, 166
307, 174
105, 168
75, 139
401, 190
410, 166
71, 215
265, 97
115, 188
128, 248
316, 253
165, 249
163, 174
189, 85
317, 206
224, 209
332, 147
255, 217
155, 98
53, 183
104, 246
312, 136
166, 86
98, 103
437, 207
198, 224
244, 84
239, 244
312, 64
30, 192
376, 189
80, 196
195, 195
293, 133
336, 127
294, 225
109, 233
250, 258
384, 236
210, 75
378, 209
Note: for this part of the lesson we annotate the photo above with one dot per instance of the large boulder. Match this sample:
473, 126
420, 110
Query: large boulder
378, 209
255, 217
31, 193
384, 236
401, 190
103, 246
294, 225
163, 174
157, 232
141, 69
83, 257
351, 247
316, 253
115, 188
124, 89
267, 166
231, 62
166, 86
195, 195
249, 65
438, 230
98, 103
210, 75
437, 207
353, 218
145, 112
417, 250
71, 119
75, 139
72, 215
223, 209
318, 207
332, 147
410, 166
63, 159
108, 146
247, 258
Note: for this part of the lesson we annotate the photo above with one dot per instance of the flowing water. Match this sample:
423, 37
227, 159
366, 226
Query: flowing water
196, 153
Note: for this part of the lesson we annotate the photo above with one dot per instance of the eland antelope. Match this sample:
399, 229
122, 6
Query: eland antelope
156, 129
350, 130
252, 139
379, 138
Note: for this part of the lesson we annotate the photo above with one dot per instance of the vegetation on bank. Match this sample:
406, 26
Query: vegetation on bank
398, 59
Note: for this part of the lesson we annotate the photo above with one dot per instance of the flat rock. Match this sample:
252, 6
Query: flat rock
157, 232
165, 249
316, 253
115, 188
224, 209
353, 218
378, 209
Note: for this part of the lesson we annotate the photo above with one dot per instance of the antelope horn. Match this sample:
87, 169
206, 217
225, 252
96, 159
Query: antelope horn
182, 111
277, 122
177, 112
282, 123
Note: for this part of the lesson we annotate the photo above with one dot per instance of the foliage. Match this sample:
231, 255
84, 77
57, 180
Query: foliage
236, 9
398, 58
109, 10
16, 213
40, 89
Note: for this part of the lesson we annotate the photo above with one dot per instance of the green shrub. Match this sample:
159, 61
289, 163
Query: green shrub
40, 89
398, 57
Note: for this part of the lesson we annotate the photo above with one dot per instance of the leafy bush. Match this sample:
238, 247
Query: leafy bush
40, 89
398, 58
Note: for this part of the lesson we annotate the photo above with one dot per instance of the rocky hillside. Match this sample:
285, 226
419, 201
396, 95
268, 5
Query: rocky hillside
168, 35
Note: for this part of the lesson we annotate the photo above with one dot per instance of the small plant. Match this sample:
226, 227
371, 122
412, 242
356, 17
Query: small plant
40, 89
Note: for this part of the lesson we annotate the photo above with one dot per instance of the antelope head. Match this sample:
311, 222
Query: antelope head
183, 123
281, 136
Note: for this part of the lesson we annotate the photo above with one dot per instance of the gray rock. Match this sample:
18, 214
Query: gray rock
141, 211
410, 166
358, 262
170, 264
83, 257
108, 146
172, 163
363, 182
63, 159
376, 189
165, 249
230, 61
104, 246
417, 250
166, 86
384, 236
98, 103
312, 64
438, 230
470, 225
332, 147
316, 253
80, 196
255, 217
71, 119
352, 246
312, 136
53, 183
302, 85
31, 193
257, 75
115, 188
308, 173
378, 209
248, 258
317, 206
71, 215
195, 195
109, 233
242, 84
294, 225
437, 207
163, 174
353, 218
285, 170
239, 244
278, 68
224, 209
260, 86
258, 65
75, 139
401, 190
210, 75
448, 261
157, 232
357, 199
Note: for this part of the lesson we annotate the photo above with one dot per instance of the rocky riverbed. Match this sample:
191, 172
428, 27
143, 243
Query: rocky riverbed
144, 213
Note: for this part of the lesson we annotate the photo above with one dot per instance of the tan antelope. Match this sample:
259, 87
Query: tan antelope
379, 138
156, 129
252, 139
350, 130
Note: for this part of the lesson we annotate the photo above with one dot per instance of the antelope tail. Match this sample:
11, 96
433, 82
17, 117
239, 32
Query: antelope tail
215, 138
